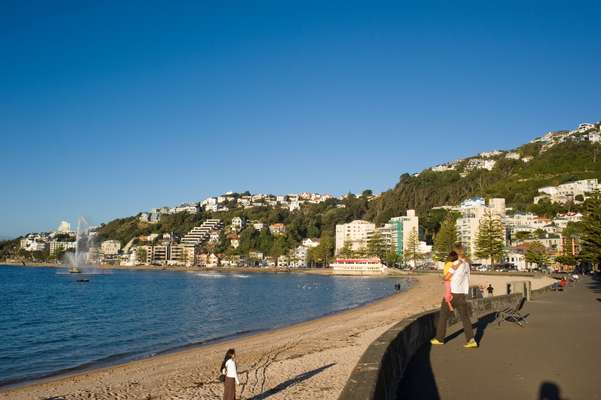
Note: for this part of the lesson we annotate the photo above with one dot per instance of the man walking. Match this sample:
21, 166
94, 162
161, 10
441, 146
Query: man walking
460, 284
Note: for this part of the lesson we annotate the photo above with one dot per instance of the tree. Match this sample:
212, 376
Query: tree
591, 230
376, 245
490, 243
411, 252
347, 250
323, 251
536, 253
392, 258
566, 260
445, 238
141, 255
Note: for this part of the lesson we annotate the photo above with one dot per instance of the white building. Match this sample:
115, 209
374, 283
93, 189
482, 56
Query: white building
202, 233
468, 225
311, 242
283, 262
354, 233
568, 192
238, 223
398, 230
64, 227
110, 247
56, 246
359, 266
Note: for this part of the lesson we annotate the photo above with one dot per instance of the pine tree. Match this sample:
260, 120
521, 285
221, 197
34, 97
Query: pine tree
490, 242
411, 251
445, 238
591, 230
347, 250
376, 246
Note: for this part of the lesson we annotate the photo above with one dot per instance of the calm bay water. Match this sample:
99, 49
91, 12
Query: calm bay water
51, 324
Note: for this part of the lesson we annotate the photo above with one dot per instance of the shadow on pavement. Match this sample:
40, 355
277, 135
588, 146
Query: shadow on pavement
480, 327
418, 381
549, 391
291, 382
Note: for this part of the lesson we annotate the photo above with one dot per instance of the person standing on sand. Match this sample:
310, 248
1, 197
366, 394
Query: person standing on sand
460, 285
228, 369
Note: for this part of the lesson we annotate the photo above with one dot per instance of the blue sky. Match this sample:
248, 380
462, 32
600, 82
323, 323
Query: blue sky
107, 109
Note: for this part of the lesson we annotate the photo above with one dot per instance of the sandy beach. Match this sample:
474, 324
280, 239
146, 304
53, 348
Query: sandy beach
310, 360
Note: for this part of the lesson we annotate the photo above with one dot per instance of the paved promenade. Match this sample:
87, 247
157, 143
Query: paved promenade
556, 356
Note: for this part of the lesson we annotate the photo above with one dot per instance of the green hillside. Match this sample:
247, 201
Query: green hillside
514, 180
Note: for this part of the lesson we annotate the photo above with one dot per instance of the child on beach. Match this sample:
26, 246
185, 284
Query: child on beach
446, 276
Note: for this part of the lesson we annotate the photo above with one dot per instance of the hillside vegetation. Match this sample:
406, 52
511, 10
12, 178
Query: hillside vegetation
515, 180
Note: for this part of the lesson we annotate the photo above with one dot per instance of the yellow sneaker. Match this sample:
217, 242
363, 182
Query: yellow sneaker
436, 341
472, 344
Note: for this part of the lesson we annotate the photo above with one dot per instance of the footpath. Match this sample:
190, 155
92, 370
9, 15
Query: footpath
555, 356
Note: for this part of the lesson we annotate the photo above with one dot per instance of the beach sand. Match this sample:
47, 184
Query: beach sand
310, 360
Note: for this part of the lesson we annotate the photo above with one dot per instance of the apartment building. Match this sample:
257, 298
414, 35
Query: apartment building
397, 230
202, 233
468, 225
110, 247
576, 191
355, 233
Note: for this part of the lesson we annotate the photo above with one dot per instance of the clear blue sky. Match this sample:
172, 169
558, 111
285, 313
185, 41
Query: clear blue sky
108, 109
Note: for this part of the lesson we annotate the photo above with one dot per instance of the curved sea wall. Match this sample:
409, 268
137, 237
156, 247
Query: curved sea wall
380, 371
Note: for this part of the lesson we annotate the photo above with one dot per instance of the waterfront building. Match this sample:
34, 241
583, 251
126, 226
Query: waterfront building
468, 224
299, 256
354, 233
56, 245
160, 254
110, 247
397, 230
358, 266
283, 261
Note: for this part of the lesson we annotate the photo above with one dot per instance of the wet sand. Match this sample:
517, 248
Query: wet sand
310, 360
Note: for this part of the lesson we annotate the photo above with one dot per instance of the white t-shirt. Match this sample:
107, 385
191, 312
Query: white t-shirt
230, 370
460, 278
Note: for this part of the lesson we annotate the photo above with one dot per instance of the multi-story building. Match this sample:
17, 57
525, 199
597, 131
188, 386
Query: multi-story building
472, 211
160, 254
575, 192
202, 233
180, 254
397, 231
299, 257
56, 245
354, 233
110, 247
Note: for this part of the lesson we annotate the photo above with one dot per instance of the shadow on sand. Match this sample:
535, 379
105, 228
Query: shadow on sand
549, 391
290, 382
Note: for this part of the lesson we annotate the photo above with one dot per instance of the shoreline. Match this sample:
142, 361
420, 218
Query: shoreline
34, 389
234, 337
311, 271
316, 355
